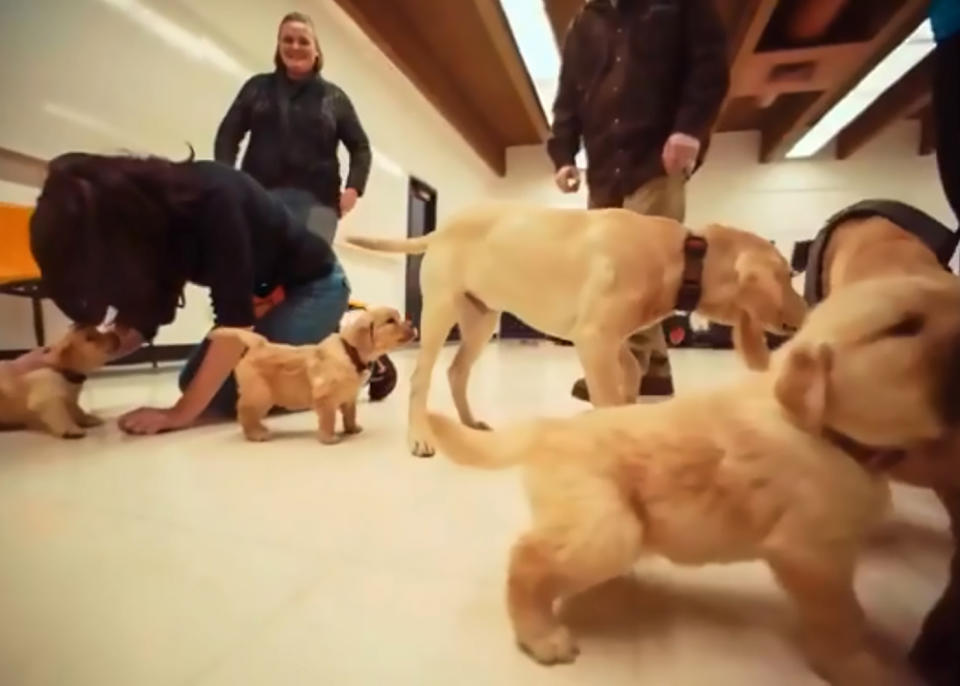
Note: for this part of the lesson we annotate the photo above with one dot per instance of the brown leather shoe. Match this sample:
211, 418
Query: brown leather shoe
650, 386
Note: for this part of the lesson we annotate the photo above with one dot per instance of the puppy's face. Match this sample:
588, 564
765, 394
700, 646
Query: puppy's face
879, 361
765, 300
83, 349
376, 331
766, 293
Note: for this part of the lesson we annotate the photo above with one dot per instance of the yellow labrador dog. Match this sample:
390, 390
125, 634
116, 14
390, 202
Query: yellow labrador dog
589, 276
860, 249
47, 398
781, 467
325, 377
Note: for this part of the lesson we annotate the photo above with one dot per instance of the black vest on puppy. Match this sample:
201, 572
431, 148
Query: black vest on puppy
941, 240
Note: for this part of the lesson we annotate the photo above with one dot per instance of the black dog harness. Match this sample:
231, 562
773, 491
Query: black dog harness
941, 240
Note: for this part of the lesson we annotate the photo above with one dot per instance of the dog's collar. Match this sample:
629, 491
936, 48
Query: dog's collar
871, 458
71, 376
691, 282
354, 356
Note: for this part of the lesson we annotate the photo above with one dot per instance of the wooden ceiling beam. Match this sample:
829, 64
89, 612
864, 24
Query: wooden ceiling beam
904, 97
426, 72
498, 29
561, 13
745, 33
745, 22
778, 134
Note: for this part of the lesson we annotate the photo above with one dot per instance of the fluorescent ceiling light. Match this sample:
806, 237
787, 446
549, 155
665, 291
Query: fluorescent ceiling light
900, 60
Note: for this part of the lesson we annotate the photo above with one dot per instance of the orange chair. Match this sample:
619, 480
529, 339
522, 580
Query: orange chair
19, 273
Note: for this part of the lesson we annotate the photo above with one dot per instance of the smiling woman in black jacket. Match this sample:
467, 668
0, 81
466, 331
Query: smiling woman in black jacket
296, 120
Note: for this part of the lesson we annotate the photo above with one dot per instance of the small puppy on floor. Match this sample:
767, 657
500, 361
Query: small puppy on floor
46, 398
783, 466
326, 377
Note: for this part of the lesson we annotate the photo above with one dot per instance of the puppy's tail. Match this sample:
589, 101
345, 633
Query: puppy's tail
410, 246
477, 448
245, 336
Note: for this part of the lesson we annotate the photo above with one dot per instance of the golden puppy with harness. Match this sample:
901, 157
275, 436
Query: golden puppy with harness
881, 239
784, 466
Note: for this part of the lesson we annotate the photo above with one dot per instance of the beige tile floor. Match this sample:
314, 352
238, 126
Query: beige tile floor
196, 558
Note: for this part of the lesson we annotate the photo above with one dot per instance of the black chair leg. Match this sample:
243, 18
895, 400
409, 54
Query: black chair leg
38, 330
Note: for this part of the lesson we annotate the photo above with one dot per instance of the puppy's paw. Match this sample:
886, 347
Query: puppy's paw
556, 647
73, 432
350, 430
332, 439
258, 434
480, 426
89, 421
420, 446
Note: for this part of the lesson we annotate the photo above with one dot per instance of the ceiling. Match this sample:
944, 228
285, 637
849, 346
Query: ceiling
791, 61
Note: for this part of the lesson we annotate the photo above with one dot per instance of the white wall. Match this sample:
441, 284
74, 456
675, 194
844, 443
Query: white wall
103, 82
784, 201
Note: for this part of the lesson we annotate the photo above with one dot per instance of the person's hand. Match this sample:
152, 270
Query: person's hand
348, 200
152, 420
567, 178
680, 154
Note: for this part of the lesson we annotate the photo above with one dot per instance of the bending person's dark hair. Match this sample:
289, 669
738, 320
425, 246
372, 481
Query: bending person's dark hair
104, 234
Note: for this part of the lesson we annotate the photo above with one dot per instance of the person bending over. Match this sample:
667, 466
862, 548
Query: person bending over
129, 233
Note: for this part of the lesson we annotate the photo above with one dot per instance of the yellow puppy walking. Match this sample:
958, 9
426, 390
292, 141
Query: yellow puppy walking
325, 377
782, 467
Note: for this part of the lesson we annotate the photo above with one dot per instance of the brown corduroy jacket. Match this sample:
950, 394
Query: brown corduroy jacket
632, 73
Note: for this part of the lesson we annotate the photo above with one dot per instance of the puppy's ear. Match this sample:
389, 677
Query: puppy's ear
358, 331
749, 341
802, 384
757, 289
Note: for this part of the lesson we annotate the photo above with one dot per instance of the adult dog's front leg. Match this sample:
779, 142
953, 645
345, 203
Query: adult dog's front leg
437, 320
631, 372
936, 654
602, 369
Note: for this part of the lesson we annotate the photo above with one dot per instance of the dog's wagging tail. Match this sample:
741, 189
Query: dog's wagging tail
409, 246
484, 449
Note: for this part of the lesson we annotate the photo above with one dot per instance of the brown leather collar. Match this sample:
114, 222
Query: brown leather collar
71, 376
871, 458
354, 356
691, 283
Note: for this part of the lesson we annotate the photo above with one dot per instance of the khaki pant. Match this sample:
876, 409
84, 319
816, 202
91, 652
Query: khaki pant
664, 196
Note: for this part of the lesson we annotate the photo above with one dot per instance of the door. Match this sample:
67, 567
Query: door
421, 220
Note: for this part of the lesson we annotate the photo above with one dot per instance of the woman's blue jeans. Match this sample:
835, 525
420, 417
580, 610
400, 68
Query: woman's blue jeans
309, 313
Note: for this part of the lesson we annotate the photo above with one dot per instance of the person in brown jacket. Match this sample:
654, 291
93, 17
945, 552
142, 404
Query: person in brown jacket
641, 84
